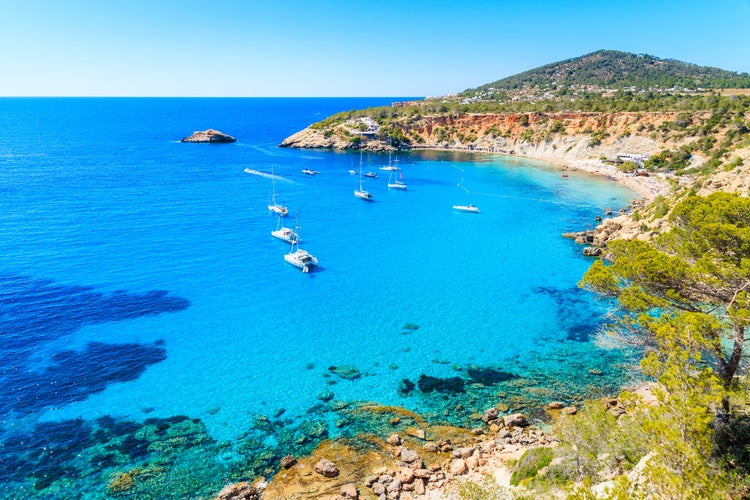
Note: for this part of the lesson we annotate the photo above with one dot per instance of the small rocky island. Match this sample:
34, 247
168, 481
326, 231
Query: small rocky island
209, 135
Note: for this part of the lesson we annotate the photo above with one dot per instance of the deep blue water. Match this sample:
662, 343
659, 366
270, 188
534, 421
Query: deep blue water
148, 319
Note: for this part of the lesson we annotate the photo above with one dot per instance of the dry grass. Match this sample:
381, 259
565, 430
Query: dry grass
734, 91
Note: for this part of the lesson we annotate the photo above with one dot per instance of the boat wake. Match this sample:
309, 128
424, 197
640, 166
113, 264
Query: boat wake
460, 184
266, 175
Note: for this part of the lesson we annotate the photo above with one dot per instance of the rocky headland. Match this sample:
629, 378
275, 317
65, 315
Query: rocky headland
209, 135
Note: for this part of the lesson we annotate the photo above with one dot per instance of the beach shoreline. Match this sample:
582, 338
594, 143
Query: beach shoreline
647, 187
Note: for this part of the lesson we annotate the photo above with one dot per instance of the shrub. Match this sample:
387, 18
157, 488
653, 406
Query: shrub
488, 489
530, 464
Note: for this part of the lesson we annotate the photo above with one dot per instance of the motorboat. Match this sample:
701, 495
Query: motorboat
309, 171
466, 208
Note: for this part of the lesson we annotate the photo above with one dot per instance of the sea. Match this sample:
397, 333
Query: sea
154, 343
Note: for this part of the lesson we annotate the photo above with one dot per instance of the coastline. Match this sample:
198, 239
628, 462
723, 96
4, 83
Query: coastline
647, 188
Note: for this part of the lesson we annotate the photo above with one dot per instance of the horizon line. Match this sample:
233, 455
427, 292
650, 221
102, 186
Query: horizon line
202, 97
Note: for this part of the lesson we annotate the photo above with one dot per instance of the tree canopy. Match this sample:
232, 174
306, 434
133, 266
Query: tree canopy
695, 274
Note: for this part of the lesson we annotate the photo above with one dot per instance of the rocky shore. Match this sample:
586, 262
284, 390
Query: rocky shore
424, 462
209, 135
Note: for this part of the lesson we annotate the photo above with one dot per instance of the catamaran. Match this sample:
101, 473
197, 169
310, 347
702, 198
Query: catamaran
298, 257
285, 233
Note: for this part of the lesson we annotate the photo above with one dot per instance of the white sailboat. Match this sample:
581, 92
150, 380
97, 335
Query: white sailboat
285, 233
274, 207
361, 193
298, 257
394, 183
390, 167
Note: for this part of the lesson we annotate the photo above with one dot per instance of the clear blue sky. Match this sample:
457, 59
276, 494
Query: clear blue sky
339, 48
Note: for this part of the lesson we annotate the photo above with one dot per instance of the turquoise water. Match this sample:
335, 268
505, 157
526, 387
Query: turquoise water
142, 296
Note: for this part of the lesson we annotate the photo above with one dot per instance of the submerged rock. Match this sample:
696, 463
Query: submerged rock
209, 135
406, 386
452, 385
347, 372
488, 375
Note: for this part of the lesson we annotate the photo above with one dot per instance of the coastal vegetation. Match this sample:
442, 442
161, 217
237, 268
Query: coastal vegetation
680, 277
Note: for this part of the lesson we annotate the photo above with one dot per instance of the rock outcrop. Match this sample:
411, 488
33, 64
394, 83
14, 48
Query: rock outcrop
209, 135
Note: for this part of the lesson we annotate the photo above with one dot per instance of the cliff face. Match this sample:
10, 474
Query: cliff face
555, 137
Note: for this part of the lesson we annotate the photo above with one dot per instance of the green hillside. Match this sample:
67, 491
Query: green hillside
610, 69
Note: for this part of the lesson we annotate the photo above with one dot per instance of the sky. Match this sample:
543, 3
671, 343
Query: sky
291, 48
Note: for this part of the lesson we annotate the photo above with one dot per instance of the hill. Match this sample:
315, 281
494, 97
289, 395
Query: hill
614, 70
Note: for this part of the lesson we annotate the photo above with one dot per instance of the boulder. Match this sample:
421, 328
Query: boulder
419, 487
592, 251
555, 405
458, 467
515, 420
239, 491
394, 440
431, 447
416, 432
570, 410
408, 456
405, 475
490, 415
209, 135
326, 468
349, 490
288, 461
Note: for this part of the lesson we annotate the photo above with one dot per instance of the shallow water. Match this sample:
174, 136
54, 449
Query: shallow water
150, 323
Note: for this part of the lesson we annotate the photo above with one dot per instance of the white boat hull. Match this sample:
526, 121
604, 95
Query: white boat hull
301, 259
286, 234
466, 208
278, 209
398, 185
363, 195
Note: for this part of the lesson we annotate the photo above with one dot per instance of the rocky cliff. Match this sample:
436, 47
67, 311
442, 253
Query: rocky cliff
557, 137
